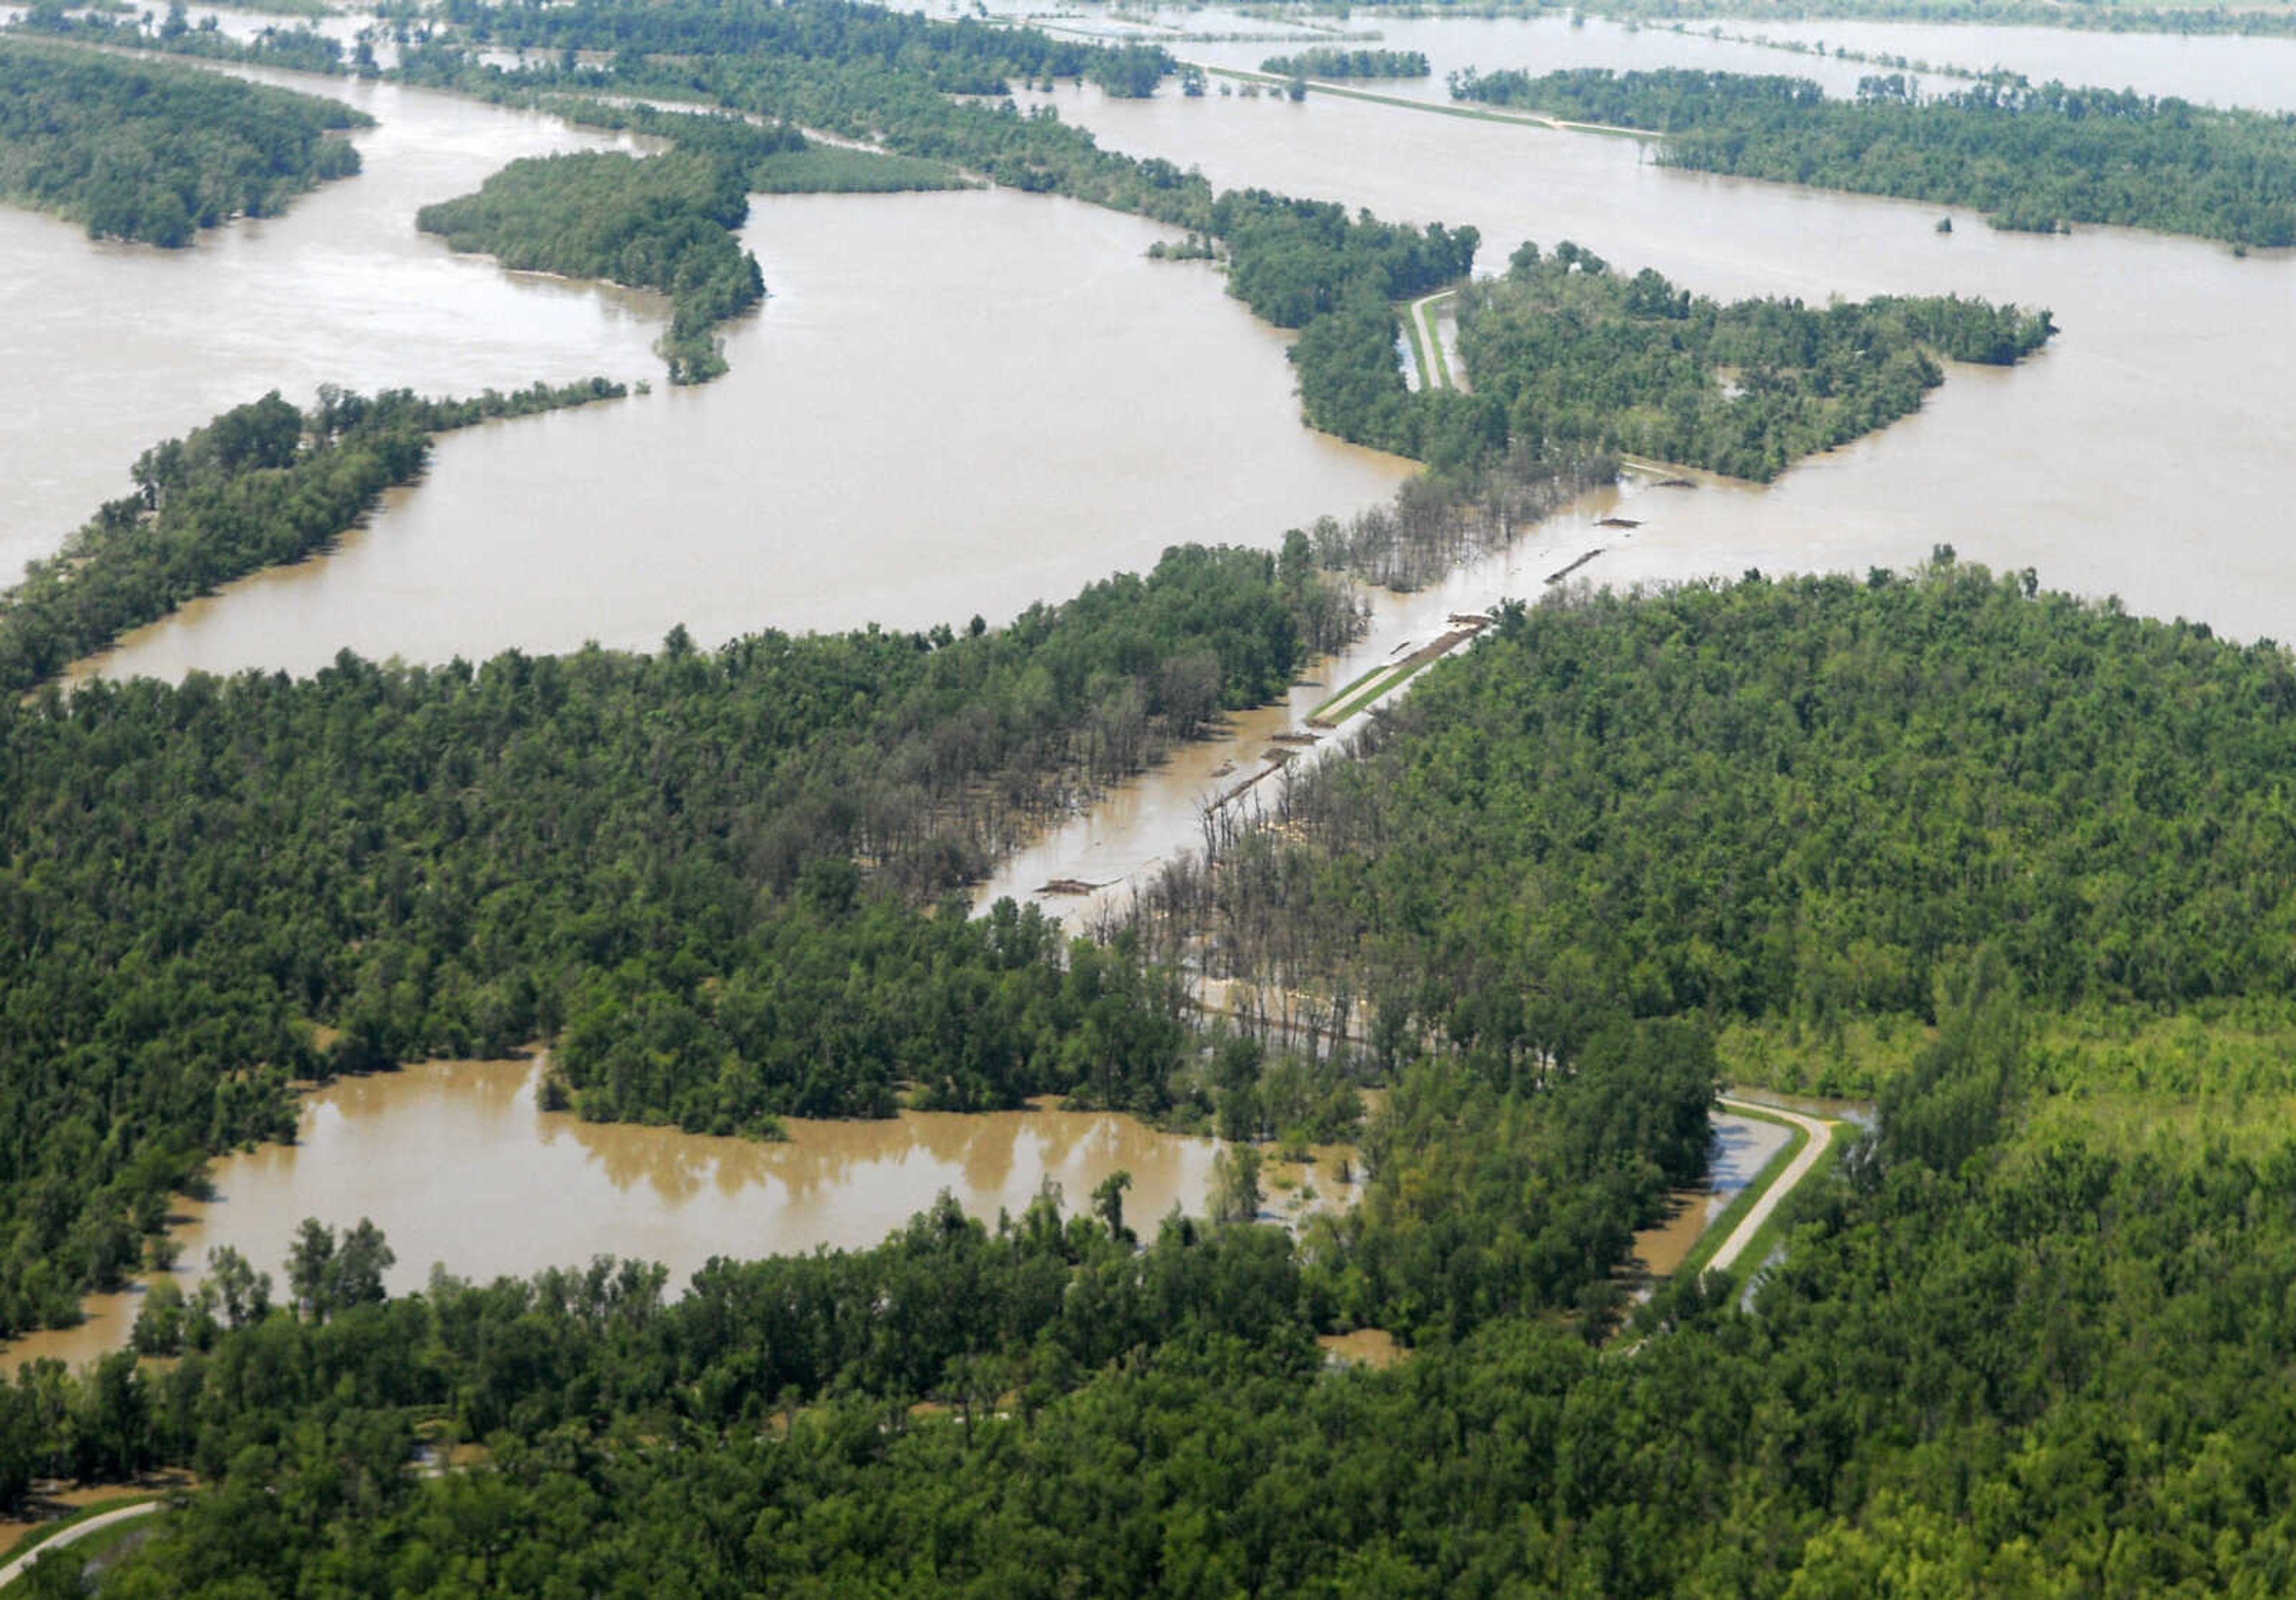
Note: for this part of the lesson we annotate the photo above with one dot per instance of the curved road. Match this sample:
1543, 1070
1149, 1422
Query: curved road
17, 1568
1821, 1136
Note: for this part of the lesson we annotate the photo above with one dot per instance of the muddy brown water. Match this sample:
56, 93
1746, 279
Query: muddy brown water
951, 404
2222, 70
458, 1166
111, 347
1743, 1147
2141, 454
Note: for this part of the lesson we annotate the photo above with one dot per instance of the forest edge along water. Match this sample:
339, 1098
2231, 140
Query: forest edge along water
430, 1149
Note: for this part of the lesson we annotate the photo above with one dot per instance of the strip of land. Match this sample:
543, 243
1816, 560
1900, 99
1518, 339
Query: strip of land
110, 1517
1778, 1182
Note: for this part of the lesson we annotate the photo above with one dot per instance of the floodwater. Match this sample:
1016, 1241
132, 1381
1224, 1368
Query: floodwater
952, 405
2209, 69
2221, 70
1117, 844
2142, 454
958, 404
457, 1165
1743, 1147
112, 347
1456, 44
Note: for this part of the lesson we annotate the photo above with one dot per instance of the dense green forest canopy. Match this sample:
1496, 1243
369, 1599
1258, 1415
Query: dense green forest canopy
651, 857
2020, 1346
260, 486
1806, 799
154, 154
1563, 347
2031, 157
1947, 1366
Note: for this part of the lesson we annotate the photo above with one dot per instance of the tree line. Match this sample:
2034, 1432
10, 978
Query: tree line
153, 154
949, 1317
1802, 799
1300, 264
260, 485
1563, 347
298, 49
664, 223
1324, 60
2031, 157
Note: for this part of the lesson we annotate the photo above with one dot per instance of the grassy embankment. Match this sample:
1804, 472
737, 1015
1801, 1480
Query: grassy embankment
1747, 1198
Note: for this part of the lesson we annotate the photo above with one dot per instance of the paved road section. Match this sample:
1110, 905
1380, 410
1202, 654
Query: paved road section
1821, 1137
17, 1568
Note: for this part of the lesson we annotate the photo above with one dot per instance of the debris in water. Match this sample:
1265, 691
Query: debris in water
1558, 576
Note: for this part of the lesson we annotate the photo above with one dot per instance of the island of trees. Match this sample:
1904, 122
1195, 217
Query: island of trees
1299, 264
155, 153
1562, 347
667, 222
2038, 158
1324, 61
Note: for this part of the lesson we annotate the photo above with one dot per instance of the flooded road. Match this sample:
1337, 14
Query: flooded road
1743, 1147
457, 1165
